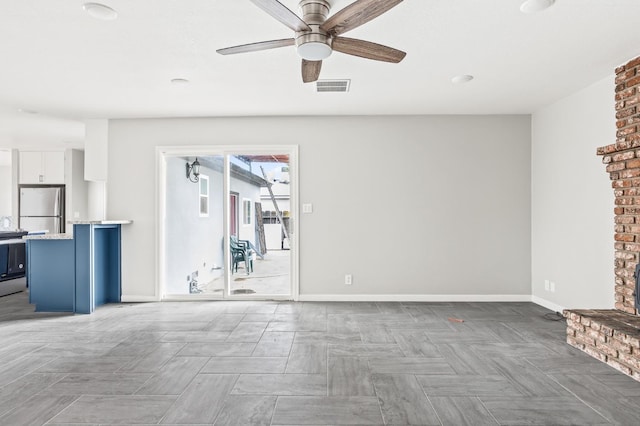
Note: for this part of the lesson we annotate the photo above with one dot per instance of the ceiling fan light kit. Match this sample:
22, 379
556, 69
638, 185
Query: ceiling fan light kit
316, 36
314, 45
314, 50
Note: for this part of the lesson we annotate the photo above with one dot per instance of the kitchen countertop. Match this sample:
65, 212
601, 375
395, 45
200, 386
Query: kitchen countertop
11, 241
11, 235
100, 222
49, 237
74, 222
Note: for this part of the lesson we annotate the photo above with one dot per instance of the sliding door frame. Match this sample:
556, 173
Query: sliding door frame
162, 153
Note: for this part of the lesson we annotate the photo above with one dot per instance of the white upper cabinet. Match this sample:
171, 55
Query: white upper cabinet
42, 167
53, 166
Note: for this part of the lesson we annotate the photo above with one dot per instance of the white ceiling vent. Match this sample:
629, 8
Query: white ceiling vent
332, 85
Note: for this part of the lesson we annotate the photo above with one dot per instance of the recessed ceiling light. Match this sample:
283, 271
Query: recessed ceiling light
100, 11
533, 6
461, 79
179, 81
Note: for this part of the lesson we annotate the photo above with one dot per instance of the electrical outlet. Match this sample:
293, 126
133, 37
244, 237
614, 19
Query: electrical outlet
348, 279
552, 287
547, 286
307, 208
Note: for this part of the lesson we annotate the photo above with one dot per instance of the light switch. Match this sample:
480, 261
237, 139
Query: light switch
307, 208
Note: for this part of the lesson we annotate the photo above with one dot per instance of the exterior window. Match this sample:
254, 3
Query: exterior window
246, 211
204, 196
269, 217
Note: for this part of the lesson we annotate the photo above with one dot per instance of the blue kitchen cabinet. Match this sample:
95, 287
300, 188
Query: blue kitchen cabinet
75, 274
51, 274
97, 265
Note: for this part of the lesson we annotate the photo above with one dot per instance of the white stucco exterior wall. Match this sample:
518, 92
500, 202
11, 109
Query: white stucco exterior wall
193, 243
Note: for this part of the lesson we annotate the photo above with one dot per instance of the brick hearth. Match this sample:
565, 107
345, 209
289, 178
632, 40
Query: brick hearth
613, 336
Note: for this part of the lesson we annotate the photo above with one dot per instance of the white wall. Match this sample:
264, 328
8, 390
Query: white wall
572, 200
76, 187
457, 188
194, 243
96, 145
249, 192
96, 200
281, 192
5, 191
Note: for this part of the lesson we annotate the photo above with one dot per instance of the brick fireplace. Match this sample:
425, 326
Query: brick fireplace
613, 336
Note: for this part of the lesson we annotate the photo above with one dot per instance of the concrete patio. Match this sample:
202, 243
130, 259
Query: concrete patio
270, 276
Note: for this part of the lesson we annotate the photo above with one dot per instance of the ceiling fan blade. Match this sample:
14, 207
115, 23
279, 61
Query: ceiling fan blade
282, 14
367, 49
357, 13
310, 70
255, 47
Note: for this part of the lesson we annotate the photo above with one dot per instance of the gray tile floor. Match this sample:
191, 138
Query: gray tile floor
282, 363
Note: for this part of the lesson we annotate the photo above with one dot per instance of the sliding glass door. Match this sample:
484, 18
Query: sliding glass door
194, 226
227, 228
261, 255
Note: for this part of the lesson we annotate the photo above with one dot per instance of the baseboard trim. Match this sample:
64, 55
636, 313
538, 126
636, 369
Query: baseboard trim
414, 298
138, 299
547, 304
390, 298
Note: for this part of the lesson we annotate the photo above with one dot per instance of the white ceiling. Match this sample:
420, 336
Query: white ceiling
67, 66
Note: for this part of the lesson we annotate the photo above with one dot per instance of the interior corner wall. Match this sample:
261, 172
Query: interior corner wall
410, 206
96, 143
572, 200
5, 191
76, 187
96, 200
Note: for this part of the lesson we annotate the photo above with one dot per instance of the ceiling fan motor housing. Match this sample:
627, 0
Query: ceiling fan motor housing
314, 45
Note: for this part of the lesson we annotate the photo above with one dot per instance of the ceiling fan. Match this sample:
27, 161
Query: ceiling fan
316, 36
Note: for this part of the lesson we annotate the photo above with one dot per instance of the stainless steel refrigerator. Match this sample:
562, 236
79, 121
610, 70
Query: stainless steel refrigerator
42, 208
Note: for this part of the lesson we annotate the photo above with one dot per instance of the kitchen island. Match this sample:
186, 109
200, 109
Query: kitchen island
75, 273
50, 275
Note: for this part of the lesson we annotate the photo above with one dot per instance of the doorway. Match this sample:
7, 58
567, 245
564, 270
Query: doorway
216, 229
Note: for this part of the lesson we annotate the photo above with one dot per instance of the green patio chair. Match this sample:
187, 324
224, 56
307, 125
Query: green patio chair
241, 252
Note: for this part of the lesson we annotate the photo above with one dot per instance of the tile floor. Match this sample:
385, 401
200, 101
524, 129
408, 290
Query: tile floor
283, 363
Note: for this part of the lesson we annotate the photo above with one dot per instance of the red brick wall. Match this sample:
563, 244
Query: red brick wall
623, 164
613, 336
627, 100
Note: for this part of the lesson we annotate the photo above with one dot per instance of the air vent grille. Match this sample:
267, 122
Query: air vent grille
332, 86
